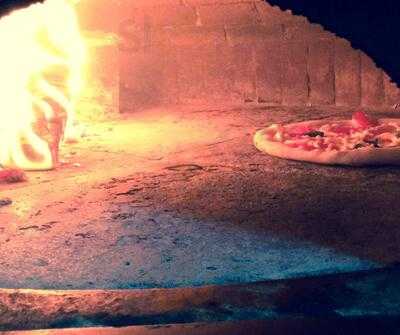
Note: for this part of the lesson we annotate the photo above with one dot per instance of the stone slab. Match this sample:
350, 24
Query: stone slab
295, 83
392, 92
269, 71
321, 72
329, 326
339, 296
141, 76
347, 74
216, 14
166, 25
372, 86
156, 203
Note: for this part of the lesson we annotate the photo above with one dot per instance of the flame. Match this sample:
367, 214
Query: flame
41, 59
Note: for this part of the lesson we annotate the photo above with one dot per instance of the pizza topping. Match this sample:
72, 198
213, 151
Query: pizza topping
307, 146
299, 129
359, 141
337, 128
361, 120
359, 145
374, 142
387, 140
315, 133
385, 128
361, 132
279, 133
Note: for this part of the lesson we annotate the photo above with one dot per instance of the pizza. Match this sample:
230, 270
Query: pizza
363, 140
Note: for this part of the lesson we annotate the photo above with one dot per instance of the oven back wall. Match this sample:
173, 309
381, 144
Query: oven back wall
225, 52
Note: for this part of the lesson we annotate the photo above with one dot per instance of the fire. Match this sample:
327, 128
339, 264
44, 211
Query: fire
41, 59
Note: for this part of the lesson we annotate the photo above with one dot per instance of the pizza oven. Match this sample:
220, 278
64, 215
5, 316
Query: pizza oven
130, 135
191, 53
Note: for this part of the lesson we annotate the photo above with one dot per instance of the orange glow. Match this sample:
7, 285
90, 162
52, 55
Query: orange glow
42, 54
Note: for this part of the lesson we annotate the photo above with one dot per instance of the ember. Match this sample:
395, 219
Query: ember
12, 175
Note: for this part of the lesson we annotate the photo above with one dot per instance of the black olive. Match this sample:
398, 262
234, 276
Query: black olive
374, 143
359, 145
315, 133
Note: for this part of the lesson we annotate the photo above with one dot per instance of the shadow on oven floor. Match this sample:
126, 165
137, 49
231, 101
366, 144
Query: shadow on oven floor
182, 198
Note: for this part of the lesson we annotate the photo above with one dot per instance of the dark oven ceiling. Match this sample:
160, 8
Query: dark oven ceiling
6, 6
370, 26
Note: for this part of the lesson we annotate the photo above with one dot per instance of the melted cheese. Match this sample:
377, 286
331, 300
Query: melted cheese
338, 141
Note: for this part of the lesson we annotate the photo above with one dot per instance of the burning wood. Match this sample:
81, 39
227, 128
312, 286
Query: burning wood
42, 57
10, 176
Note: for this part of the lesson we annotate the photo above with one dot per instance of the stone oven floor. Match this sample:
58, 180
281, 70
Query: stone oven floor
171, 198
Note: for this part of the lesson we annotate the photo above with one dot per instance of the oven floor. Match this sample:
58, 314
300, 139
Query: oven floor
181, 198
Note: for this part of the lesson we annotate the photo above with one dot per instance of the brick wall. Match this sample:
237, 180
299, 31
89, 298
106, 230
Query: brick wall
219, 52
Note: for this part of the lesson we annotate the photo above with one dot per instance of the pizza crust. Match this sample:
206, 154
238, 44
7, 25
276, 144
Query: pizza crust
356, 157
